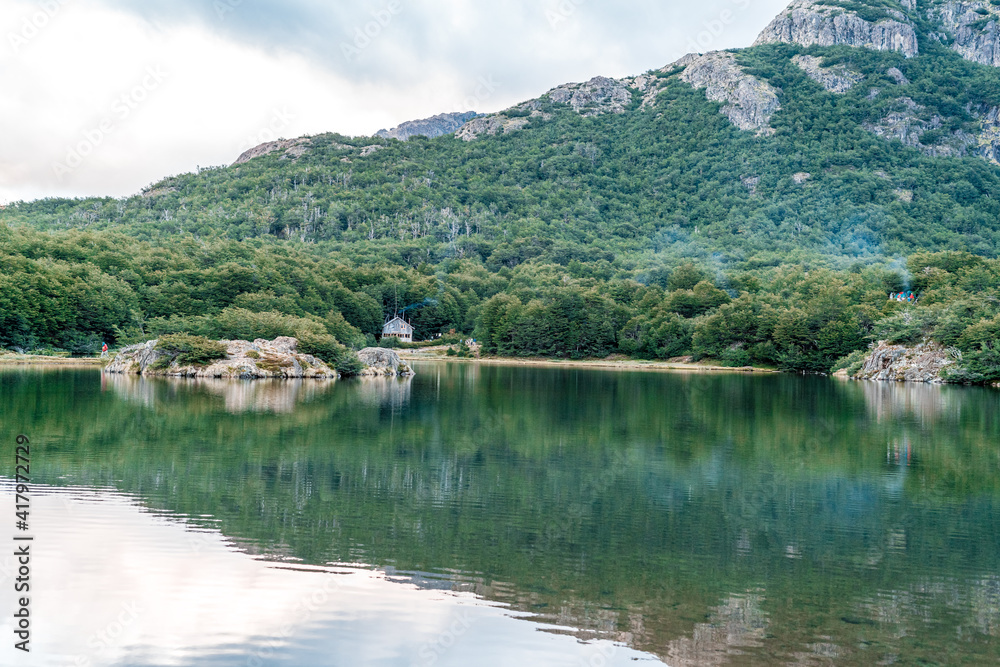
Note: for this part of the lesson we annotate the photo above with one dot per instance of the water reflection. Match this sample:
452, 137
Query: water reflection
914, 400
736, 624
390, 393
168, 593
265, 395
702, 519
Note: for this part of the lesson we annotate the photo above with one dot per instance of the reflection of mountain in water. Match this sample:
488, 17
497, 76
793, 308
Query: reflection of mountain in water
737, 623
265, 395
706, 519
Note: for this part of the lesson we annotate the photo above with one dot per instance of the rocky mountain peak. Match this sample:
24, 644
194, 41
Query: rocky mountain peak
435, 126
812, 22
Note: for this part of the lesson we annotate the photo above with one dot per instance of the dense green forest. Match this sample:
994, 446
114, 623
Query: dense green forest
658, 232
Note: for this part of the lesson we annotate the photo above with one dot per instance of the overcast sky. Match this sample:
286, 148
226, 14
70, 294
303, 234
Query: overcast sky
103, 97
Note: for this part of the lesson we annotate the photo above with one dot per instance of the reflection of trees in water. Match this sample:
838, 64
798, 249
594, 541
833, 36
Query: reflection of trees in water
264, 395
640, 508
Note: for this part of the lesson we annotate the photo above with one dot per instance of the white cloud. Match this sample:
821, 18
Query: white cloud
263, 68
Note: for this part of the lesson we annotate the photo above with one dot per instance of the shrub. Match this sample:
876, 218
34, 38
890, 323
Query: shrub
191, 350
326, 348
851, 362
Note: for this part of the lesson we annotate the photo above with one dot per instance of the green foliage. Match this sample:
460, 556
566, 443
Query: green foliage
634, 233
190, 350
326, 348
851, 362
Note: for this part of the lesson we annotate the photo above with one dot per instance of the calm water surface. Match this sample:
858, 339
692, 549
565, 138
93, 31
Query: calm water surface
506, 516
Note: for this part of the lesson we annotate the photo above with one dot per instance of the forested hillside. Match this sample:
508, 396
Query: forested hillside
753, 207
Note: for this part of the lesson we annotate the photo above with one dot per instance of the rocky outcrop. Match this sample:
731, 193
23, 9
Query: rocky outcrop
973, 27
836, 79
898, 363
490, 125
382, 361
598, 96
988, 140
278, 358
897, 76
809, 22
909, 121
749, 101
293, 148
435, 126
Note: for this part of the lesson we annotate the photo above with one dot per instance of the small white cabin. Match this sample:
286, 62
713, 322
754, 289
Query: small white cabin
399, 328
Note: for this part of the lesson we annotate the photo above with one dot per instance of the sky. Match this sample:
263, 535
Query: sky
105, 97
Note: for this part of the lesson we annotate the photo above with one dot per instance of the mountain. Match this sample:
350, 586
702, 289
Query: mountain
852, 149
849, 131
435, 126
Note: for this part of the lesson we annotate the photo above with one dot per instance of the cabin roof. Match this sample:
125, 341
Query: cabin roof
397, 324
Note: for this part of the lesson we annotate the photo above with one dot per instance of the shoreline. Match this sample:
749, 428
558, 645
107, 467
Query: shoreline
606, 364
42, 360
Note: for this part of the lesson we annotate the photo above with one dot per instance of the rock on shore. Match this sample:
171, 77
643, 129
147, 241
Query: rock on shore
898, 363
278, 358
382, 361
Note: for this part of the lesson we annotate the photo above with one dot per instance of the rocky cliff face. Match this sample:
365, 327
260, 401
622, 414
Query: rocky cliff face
293, 148
435, 126
278, 358
973, 26
810, 22
898, 363
908, 122
749, 101
598, 96
490, 125
836, 79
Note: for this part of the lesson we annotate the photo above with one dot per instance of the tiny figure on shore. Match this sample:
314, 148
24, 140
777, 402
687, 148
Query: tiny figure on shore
104, 351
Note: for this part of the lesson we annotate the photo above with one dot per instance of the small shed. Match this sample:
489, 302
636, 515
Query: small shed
399, 328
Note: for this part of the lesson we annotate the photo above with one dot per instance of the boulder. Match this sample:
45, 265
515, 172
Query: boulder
382, 361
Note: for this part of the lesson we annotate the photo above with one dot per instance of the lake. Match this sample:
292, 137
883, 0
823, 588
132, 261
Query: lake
501, 515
